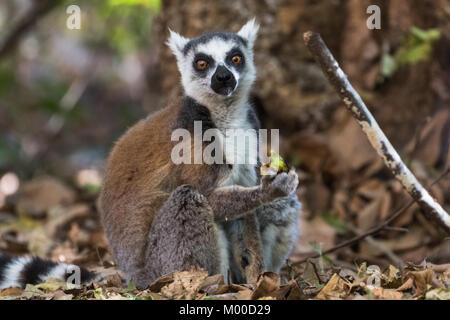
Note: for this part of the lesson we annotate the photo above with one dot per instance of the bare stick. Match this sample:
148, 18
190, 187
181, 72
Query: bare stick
377, 139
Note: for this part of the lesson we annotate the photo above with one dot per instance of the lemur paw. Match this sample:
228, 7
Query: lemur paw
282, 185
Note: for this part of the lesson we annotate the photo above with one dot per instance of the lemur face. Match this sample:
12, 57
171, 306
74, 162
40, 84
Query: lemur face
216, 66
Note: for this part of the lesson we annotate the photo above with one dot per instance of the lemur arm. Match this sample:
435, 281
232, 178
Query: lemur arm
232, 202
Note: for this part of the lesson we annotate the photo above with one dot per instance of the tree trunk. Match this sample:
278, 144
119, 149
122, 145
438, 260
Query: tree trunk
291, 93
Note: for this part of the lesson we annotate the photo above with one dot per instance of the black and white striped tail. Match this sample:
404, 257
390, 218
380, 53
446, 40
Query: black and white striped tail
20, 271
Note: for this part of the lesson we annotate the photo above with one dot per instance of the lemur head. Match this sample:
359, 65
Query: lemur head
216, 67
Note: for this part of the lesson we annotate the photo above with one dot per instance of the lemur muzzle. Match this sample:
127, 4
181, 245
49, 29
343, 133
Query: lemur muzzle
223, 81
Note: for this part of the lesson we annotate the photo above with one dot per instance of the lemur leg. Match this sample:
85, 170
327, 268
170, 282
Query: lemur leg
181, 237
245, 248
278, 228
253, 249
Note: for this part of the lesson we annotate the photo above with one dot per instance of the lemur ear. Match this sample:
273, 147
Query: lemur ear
176, 43
249, 31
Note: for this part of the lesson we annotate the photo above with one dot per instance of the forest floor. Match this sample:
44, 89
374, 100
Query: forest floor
50, 219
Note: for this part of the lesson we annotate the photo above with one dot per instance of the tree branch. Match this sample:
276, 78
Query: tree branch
377, 139
38, 9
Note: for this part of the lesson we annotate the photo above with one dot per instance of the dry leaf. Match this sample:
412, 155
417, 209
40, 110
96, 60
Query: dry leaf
408, 284
310, 275
393, 279
185, 285
289, 291
60, 295
445, 278
235, 291
11, 292
369, 216
438, 294
212, 284
420, 280
244, 295
52, 284
336, 288
267, 283
388, 294
159, 283
37, 197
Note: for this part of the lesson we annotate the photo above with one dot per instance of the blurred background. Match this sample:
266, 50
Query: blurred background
67, 95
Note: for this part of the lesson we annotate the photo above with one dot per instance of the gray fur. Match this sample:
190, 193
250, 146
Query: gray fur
183, 236
278, 228
244, 225
274, 227
257, 222
185, 232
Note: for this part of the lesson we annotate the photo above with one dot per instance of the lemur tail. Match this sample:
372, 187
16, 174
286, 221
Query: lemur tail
20, 271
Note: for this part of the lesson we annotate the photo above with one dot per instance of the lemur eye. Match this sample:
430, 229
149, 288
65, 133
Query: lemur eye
201, 64
236, 59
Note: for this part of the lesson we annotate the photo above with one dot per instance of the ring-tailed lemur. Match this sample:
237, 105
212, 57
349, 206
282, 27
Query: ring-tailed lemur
160, 216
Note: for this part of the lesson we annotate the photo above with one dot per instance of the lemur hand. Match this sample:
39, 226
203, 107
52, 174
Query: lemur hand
282, 185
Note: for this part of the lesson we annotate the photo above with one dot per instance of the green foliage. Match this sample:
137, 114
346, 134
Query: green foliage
334, 221
122, 25
131, 287
50, 93
388, 66
128, 23
91, 189
150, 4
98, 293
317, 249
130, 293
417, 47
7, 80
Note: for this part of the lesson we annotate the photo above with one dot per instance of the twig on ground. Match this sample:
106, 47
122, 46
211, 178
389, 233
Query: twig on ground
356, 239
376, 137
397, 229
380, 246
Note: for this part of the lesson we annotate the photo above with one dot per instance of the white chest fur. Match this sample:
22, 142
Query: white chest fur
240, 146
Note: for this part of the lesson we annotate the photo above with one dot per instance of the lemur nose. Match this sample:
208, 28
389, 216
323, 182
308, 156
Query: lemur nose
223, 77
222, 74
